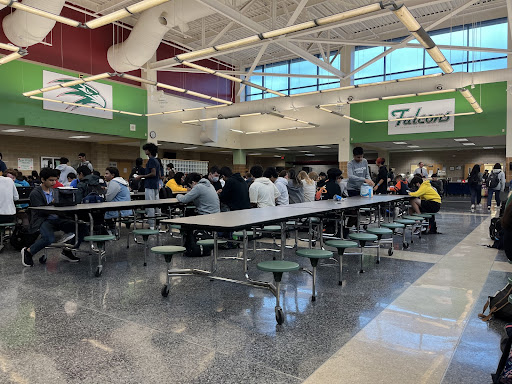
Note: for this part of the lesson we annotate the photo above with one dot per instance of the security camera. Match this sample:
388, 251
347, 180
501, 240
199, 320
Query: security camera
439, 87
350, 98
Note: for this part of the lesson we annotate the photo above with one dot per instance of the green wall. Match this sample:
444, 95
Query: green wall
492, 122
17, 77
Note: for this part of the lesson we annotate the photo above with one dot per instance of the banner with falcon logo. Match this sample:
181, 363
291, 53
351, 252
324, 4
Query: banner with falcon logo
90, 94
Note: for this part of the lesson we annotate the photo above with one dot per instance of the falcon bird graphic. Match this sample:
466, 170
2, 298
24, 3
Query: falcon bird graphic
87, 94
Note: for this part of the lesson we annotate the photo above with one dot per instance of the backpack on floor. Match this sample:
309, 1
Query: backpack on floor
503, 373
498, 305
21, 236
192, 248
495, 228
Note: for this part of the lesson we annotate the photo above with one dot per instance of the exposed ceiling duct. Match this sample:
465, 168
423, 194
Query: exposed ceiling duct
150, 29
25, 29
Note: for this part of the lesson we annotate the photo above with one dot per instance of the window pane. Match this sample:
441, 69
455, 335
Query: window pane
362, 56
374, 79
323, 72
489, 36
404, 59
274, 82
269, 95
456, 36
302, 90
488, 65
329, 86
303, 67
405, 75
256, 80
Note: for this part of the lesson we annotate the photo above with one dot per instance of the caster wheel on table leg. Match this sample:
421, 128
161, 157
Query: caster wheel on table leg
405, 245
165, 291
145, 264
377, 262
98, 272
365, 227
340, 282
313, 243
279, 315
43, 259
313, 298
390, 252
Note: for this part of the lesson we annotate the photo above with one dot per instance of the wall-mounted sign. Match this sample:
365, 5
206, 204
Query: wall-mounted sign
84, 96
417, 117
25, 164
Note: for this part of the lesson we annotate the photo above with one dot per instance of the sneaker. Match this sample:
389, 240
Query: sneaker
66, 254
416, 231
66, 237
26, 258
488, 208
473, 208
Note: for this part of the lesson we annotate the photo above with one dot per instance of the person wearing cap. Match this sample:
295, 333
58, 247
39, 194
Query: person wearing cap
381, 186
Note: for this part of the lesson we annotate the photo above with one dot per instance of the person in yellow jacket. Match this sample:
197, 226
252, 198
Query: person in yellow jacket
175, 184
426, 199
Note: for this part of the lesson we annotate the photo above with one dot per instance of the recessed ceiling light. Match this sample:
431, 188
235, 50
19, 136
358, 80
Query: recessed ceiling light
254, 154
277, 155
12, 130
324, 146
468, 144
304, 151
413, 146
282, 149
79, 137
309, 154
418, 150
225, 151
399, 142
190, 148
488, 147
460, 139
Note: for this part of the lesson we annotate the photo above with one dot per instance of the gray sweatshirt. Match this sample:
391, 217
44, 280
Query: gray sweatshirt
501, 177
295, 192
204, 196
357, 173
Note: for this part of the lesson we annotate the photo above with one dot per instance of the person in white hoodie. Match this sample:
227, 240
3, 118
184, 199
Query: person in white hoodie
495, 184
262, 192
117, 191
8, 193
65, 170
281, 185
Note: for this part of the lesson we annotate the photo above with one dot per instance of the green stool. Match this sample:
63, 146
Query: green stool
379, 232
407, 223
145, 233
394, 226
3, 228
278, 267
168, 251
314, 255
100, 241
362, 238
341, 245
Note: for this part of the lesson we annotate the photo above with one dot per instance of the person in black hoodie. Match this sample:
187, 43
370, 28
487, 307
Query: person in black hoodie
48, 224
235, 193
88, 182
332, 186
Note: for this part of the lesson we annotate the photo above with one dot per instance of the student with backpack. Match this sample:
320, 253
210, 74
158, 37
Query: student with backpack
89, 188
475, 187
495, 184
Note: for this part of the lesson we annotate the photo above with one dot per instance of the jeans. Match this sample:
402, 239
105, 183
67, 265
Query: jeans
48, 229
497, 194
476, 194
151, 194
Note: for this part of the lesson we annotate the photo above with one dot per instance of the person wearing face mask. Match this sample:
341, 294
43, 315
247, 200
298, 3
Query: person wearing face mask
358, 173
214, 177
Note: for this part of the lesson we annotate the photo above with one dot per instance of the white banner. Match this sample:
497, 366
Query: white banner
91, 94
417, 118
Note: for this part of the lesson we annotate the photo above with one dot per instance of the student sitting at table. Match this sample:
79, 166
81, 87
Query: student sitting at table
401, 187
117, 190
202, 193
235, 193
8, 193
175, 184
426, 199
48, 224
72, 181
262, 192
332, 185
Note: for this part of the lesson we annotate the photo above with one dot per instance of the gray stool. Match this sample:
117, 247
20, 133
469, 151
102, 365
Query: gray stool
100, 241
145, 233
408, 223
168, 251
362, 238
278, 267
394, 227
341, 245
379, 232
314, 255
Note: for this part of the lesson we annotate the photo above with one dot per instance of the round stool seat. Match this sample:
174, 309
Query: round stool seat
410, 217
278, 266
424, 215
405, 221
365, 209
146, 232
314, 253
210, 242
272, 228
99, 238
241, 233
291, 223
314, 220
341, 244
363, 236
379, 231
167, 249
7, 224
392, 225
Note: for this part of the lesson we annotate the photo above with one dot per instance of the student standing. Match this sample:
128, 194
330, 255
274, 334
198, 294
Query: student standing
83, 161
382, 178
8, 193
358, 173
475, 186
3, 167
495, 184
65, 170
421, 171
151, 180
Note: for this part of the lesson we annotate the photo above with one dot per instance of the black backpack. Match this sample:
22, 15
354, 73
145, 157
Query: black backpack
504, 371
493, 180
192, 248
95, 195
21, 236
495, 228
473, 179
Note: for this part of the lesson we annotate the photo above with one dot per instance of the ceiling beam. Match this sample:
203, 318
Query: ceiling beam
404, 42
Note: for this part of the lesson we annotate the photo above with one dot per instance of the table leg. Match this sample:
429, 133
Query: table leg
283, 238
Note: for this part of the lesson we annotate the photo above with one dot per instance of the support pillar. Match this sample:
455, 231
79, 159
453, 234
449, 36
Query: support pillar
239, 161
344, 155
508, 148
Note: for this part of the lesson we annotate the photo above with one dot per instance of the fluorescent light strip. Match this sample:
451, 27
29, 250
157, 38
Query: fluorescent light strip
186, 110
67, 84
364, 100
200, 120
471, 100
11, 57
398, 96
122, 13
22, 7
251, 114
236, 130
9, 47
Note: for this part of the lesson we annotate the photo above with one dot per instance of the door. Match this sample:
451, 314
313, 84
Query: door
125, 167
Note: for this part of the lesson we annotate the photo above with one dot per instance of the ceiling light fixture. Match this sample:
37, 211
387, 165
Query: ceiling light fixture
468, 144
186, 110
413, 146
471, 100
488, 147
16, 53
12, 130
22, 7
461, 139
339, 114
309, 154
189, 148
323, 146
399, 142
282, 149
236, 130
68, 84
79, 137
